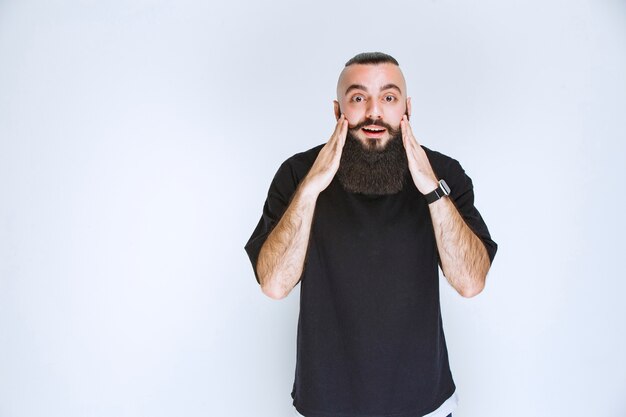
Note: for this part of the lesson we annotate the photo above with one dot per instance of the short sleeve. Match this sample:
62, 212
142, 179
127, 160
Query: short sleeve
462, 193
281, 190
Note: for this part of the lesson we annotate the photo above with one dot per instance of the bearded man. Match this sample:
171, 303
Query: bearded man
363, 222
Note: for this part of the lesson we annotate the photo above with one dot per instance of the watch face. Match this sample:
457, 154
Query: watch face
444, 187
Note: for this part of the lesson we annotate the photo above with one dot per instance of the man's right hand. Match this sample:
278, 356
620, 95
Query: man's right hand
281, 259
327, 162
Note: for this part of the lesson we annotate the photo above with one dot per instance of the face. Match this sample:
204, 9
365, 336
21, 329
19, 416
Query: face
373, 99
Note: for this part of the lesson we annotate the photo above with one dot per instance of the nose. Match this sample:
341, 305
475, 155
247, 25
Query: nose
374, 111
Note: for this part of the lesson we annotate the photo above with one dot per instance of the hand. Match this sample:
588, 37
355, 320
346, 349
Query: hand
327, 163
421, 171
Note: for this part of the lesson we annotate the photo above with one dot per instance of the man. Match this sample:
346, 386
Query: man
362, 222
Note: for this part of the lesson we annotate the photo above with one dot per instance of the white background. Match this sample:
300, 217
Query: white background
137, 142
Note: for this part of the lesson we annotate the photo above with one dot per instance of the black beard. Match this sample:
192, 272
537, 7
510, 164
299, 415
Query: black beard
365, 169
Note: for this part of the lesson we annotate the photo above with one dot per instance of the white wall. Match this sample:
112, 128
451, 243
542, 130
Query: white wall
137, 142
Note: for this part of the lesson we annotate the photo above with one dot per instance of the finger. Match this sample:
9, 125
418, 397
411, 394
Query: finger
338, 127
403, 130
406, 132
343, 133
339, 138
410, 131
406, 127
410, 140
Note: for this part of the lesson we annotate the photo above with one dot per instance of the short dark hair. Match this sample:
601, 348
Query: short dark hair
366, 58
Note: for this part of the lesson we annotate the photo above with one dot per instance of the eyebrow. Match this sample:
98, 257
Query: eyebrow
362, 87
391, 86
356, 87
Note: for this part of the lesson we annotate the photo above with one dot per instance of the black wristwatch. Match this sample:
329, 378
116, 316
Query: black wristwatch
441, 191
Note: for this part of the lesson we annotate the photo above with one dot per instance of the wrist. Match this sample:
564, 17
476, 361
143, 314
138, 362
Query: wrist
431, 185
442, 190
307, 190
427, 185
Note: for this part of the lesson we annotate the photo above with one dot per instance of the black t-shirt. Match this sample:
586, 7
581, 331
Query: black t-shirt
370, 337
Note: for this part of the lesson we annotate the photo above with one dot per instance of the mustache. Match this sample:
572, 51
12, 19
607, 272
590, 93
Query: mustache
372, 122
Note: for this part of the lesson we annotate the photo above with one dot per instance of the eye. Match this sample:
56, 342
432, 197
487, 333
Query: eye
390, 99
358, 99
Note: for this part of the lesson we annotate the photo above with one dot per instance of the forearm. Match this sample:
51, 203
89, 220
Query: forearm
464, 258
281, 259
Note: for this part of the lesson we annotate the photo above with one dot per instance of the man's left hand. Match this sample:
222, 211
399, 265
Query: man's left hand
421, 171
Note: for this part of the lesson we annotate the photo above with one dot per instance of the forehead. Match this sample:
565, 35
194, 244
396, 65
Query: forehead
371, 76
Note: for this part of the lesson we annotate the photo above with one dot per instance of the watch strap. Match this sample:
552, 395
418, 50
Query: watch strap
439, 192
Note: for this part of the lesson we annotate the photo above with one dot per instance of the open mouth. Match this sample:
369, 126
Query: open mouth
374, 131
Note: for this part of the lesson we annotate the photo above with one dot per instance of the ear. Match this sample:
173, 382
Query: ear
408, 108
337, 110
